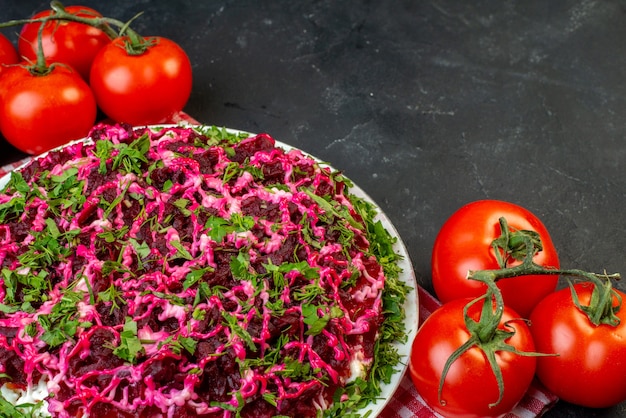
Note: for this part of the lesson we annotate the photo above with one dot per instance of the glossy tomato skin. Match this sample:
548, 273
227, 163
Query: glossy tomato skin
71, 43
470, 385
590, 369
141, 89
8, 53
464, 243
38, 113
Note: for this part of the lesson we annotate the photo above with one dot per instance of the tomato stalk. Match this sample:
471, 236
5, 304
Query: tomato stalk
600, 310
135, 45
40, 67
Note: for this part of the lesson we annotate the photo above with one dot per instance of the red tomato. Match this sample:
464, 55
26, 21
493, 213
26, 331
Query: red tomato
470, 385
590, 369
71, 43
8, 53
141, 89
464, 243
40, 112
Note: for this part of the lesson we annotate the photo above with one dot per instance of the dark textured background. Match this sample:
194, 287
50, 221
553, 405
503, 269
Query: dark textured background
426, 105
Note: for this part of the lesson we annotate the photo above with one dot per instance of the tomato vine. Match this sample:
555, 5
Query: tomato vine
601, 310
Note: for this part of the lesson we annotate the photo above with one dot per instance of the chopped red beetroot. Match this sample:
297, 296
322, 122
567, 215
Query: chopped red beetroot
166, 273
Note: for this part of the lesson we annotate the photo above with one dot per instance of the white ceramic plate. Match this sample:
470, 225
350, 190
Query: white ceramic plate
410, 309
407, 276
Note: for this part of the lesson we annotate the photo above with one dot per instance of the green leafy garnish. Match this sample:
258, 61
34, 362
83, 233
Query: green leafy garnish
61, 324
219, 227
130, 346
179, 344
233, 323
24, 410
114, 295
181, 251
195, 276
316, 323
131, 157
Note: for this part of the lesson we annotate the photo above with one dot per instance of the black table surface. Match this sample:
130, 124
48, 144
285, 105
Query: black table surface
426, 105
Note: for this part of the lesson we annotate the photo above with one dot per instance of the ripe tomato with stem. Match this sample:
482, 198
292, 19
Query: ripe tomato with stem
467, 241
585, 325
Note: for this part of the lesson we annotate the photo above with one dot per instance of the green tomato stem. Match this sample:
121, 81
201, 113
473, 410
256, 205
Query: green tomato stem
601, 309
135, 44
41, 67
102, 23
490, 316
487, 336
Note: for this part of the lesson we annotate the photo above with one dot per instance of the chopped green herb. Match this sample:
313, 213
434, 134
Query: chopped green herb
113, 295
131, 157
181, 251
233, 323
315, 322
130, 346
195, 276
61, 323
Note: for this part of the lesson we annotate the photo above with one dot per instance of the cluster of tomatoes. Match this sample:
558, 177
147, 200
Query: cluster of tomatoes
573, 340
71, 61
